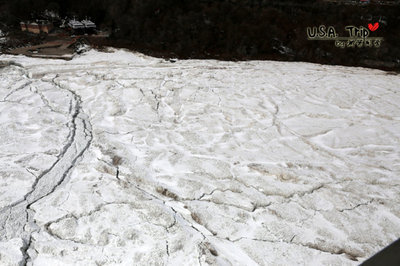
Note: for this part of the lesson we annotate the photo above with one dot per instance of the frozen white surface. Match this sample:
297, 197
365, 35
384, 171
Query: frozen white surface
122, 159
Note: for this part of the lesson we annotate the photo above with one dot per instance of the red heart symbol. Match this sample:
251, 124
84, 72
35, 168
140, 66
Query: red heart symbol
373, 27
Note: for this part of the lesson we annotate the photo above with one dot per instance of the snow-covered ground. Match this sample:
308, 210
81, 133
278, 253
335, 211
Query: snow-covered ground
121, 159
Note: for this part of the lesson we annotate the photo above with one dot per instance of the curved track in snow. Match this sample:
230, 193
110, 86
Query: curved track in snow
16, 220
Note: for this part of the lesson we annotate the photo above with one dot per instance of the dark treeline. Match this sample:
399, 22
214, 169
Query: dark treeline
227, 29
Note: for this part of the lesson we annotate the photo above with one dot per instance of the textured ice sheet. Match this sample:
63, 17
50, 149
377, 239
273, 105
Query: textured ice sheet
197, 162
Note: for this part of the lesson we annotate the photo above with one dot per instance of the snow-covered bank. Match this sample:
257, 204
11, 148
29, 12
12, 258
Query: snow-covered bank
119, 159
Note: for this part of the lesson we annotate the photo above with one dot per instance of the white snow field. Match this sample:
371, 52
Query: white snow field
116, 158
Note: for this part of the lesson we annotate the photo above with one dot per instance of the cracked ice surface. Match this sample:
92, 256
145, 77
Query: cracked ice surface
122, 159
